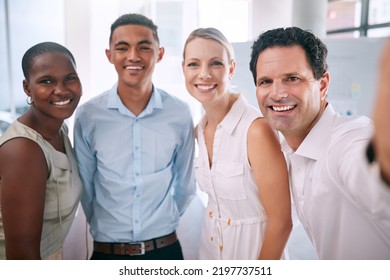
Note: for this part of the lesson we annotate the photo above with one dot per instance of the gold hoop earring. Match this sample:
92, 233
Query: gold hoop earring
29, 100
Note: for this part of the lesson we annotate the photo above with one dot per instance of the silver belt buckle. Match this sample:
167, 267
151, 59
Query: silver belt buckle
142, 248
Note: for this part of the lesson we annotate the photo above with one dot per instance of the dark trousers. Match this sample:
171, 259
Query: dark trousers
171, 252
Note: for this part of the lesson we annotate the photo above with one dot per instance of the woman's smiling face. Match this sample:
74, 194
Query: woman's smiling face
54, 85
206, 69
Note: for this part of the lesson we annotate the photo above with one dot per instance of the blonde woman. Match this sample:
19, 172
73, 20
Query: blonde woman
240, 164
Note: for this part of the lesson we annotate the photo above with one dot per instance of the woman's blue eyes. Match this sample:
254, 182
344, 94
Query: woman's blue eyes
214, 63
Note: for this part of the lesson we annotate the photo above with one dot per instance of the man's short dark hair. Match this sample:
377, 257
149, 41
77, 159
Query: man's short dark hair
134, 19
315, 49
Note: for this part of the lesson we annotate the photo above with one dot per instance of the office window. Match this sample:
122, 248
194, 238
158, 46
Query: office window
170, 19
231, 18
5, 96
20, 29
343, 14
379, 32
358, 18
379, 12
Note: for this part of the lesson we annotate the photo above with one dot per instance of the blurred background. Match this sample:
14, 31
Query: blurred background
354, 31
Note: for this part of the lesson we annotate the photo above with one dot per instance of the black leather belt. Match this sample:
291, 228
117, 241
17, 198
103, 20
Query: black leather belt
134, 248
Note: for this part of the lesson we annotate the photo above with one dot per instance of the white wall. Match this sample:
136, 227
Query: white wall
270, 14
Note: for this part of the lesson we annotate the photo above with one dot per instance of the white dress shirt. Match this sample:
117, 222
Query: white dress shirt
341, 201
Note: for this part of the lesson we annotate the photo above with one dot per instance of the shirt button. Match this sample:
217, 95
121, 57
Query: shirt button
136, 174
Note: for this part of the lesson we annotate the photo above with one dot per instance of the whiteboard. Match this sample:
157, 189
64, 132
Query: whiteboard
353, 67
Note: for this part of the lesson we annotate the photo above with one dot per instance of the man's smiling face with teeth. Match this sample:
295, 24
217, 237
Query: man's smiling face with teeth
282, 108
134, 51
287, 93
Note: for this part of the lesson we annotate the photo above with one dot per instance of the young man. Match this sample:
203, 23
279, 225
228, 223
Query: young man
135, 144
342, 203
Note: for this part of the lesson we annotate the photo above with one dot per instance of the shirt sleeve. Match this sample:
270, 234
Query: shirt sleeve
360, 181
86, 162
183, 172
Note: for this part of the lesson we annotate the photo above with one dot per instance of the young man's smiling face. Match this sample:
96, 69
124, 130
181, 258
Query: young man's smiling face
134, 51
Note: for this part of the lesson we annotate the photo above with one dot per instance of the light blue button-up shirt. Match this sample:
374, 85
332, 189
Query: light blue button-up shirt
137, 171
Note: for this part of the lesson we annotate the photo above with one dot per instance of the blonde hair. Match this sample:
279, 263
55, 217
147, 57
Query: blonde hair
210, 33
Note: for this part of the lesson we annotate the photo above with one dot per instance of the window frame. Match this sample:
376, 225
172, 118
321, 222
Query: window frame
364, 25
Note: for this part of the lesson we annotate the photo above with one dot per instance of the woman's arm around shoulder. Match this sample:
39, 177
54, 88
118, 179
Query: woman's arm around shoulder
23, 172
270, 171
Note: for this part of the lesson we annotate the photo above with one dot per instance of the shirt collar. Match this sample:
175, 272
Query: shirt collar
231, 120
155, 102
318, 135
114, 101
